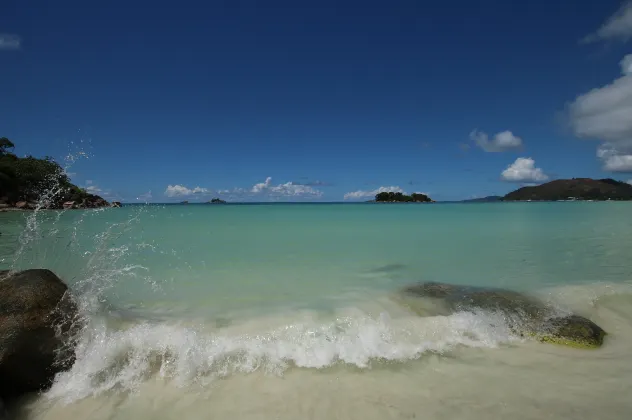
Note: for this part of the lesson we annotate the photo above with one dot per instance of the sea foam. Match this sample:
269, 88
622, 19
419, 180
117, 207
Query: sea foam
121, 360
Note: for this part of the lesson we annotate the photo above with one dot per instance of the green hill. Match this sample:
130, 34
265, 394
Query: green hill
574, 189
28, 180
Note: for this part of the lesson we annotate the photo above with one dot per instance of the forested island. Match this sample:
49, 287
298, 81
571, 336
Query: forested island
28, 180
574, 189
398, 197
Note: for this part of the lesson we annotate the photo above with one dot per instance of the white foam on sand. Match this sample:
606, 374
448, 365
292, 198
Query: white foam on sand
124, 359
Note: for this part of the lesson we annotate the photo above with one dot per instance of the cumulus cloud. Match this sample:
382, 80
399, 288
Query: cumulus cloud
502, 142
316, 183
615, 160
617, 26
355, 195
626, 64
145, 197
10, 42
289, 189
265, 190
182, 191
523, 170
604, 114
108, 194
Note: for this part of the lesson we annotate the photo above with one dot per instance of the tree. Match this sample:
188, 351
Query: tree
398, 197
383, 196
418, 197
5, 144
41, 180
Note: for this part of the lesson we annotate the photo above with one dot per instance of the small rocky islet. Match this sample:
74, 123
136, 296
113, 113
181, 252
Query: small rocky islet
575, 189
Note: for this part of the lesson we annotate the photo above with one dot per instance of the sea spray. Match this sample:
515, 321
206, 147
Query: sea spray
47, 194
122, 359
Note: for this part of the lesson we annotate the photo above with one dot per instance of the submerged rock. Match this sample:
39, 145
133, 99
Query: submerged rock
525, 315
38, 319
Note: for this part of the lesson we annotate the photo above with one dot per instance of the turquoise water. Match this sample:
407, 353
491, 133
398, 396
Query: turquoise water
259, 257
192, 293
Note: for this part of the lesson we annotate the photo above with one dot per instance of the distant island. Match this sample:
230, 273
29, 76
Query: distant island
398, 197
217, 201
23, 181
574, 189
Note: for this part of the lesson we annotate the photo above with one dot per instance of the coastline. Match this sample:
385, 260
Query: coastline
115, 204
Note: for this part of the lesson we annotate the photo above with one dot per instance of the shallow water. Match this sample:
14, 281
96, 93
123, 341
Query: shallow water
290, 311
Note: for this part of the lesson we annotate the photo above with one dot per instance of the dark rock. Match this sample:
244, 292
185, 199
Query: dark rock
116, 204
573, 330
524, 314
38, 322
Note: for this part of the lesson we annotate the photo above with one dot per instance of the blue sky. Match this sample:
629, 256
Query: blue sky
287, 100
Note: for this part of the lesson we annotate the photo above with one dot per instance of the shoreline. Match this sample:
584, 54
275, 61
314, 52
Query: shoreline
27, 209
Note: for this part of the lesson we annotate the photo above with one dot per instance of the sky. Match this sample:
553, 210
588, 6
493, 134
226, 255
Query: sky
318, 101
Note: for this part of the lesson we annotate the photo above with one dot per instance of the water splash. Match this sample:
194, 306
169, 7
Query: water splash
123, 359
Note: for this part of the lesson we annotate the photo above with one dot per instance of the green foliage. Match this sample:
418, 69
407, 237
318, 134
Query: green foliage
399, 197
574, 189
26, 179
5, 144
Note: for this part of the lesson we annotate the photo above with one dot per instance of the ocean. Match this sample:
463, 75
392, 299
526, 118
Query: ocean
288, 311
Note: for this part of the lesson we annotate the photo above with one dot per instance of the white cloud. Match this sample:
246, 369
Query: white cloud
93, 189
618, 26
626, 64
182, 191
111, 196
88, 182
289, 189
261, 190
615, 160
523, 170
604, 114
10, 42
502, 142
355, 195
145, 197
